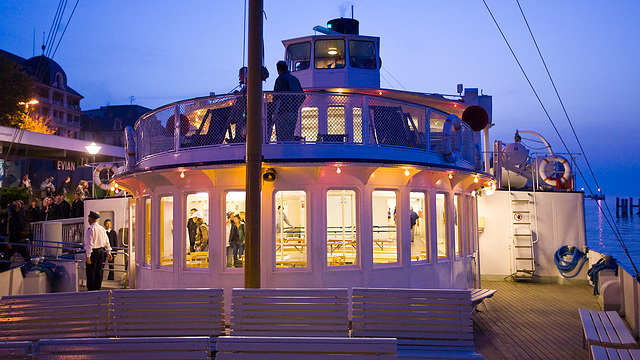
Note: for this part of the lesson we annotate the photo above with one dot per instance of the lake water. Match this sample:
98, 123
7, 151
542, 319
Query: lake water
600, 236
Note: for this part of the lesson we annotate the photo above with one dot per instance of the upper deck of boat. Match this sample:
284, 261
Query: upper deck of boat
532, 321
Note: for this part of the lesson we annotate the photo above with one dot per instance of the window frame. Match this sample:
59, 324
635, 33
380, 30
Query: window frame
427, 225
358, 229
398, 261
307, 232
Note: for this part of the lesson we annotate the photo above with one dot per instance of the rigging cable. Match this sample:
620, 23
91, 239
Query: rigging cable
65, 28
393, 77
612, 225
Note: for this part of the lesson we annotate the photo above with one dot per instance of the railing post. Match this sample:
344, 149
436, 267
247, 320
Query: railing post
427, 128
365, 121
176, 131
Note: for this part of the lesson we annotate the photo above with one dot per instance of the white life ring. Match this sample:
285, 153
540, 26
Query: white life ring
97, 181
130, 148
546, 172
452, 152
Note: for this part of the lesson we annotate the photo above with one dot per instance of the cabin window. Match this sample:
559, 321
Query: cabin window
298, 56
441, 225
291, 224
329, 54
234, 230
418, 226
362, 54
132, 225
385, 249
197, 230
458, 220
147, 231
166, 231
342, 243
473, 225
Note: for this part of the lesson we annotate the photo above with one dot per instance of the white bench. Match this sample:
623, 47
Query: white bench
57, 315
307, 348
478, 296
605, 328
427, 323
196, 348
16, 349
604, 353
290, 312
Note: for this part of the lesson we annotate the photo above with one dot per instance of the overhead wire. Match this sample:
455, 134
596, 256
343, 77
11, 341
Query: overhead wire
609, 222
394, 78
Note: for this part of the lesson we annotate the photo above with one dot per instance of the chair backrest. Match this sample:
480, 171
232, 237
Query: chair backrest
166, 312
435, 316
290, 312
54, 315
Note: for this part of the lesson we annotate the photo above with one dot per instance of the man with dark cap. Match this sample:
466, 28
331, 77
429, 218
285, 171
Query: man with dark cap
98, 249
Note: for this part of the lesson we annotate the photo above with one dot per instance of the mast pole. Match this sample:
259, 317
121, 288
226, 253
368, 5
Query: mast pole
254, 147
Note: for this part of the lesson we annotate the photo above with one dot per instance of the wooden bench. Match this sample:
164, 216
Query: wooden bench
139, 348
478, 296
16, 349
427, 323
604, 353
605, 328
290, 312
307, 348
57, 315
167, 313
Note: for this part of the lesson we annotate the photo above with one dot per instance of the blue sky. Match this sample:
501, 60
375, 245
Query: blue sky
161, 51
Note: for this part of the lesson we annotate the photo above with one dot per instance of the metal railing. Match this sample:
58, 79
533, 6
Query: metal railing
297, 118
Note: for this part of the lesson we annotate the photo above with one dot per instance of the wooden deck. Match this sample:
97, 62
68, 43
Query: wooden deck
532, 321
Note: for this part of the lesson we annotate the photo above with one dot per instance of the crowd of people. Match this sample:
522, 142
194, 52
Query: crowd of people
235, 246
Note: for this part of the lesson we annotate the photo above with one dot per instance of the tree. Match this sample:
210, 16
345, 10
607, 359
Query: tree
16, 87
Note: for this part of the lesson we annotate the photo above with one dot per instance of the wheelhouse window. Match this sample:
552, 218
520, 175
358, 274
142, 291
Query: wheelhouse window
362, 54
385, 248
147, 231
291, 225
341, 228
418, 226
235, 230
299, 56
166, 231
329, 54
197, 231
441, 225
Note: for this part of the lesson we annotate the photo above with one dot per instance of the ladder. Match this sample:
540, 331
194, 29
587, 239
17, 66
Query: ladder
523, 221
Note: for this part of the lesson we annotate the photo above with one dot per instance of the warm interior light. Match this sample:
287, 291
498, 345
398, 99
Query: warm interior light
338, 170
113, 188
473, 193
475, 179
379, 92
182, 174
406, 172
332, 51
450, 176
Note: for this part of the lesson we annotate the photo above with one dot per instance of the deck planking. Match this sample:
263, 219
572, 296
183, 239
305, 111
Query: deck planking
532, 321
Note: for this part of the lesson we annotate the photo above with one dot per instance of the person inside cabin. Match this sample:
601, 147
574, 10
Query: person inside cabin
19, 233
202, 232
281, 218
233, 238
113, 242
191, 230
413, 217
286, 111
239, 249
98, 249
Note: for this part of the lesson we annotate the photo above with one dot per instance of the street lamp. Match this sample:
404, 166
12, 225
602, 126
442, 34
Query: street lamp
93, 149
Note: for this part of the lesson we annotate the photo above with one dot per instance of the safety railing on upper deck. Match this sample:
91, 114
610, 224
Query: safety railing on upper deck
300, 119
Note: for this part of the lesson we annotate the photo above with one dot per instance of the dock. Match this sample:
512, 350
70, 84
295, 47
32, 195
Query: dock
532, 321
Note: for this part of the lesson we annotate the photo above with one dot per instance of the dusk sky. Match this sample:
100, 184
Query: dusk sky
165, 51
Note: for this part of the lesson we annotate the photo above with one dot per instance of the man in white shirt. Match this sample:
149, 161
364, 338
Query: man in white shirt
98, 249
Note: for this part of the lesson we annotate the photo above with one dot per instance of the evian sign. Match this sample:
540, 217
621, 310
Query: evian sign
66, 165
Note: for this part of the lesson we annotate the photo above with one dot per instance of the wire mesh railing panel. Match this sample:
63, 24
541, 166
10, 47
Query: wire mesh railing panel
215, 121
283, 117
398, 124
437, 124
468, 151
153, 136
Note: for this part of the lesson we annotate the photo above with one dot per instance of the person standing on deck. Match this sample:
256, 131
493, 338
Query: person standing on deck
113, 241
98, 249
286, 113
192, 228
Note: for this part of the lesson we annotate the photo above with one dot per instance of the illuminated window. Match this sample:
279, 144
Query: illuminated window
417, 220
458, 220
357, 125
329, 54
308, 123
298, 56
197, 231
385, 248
290, 225
234, 232
166, 231
341, 228
147, 231
335, 120
132, 224
441, 225
362, 54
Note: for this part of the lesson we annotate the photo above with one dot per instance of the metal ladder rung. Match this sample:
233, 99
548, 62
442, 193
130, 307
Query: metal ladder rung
523, 246
528, 258
523, 234
521, 223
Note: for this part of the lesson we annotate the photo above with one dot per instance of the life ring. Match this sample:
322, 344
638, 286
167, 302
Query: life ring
451, 151
546, 172
130, 148
96, 175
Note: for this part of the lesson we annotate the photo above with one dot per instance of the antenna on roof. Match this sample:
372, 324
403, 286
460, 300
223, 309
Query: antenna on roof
43, 46
131, 99
352, 12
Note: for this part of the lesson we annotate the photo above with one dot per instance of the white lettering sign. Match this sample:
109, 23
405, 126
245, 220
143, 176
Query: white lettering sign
66, 165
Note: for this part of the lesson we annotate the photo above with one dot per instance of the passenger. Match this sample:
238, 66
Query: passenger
47, 188
413, 216
191, 230
77, 206
281, 217
202, 233
65, 187
233, 239
286, 112
98, 249
26, 183
62, 208
83, 190
113, 241
239, 249
34, 212
19, 233
48, 206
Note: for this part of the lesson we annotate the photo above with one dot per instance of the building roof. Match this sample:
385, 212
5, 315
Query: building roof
103, 119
